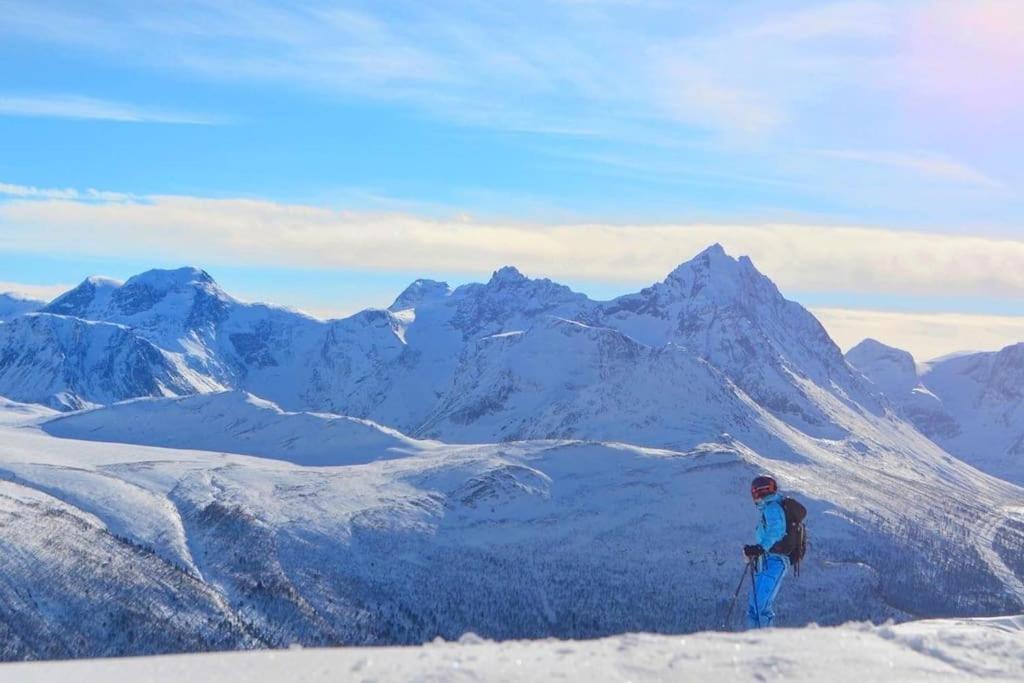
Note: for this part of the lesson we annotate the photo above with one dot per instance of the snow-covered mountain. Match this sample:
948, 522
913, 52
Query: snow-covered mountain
524, 342
184, 312
587, 476
970, 404
565, 379
13, 305
724, 311
411, 366
70, 363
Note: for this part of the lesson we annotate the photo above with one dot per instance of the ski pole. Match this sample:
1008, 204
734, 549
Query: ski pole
735, 597
753, 588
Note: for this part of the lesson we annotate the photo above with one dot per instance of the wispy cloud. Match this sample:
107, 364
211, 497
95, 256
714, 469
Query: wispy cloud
758, 78
257, 232
68, 193
891, 91
927, 164
78, 107
562, 64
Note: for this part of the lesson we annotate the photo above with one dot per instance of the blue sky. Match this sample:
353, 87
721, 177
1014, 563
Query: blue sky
321, 155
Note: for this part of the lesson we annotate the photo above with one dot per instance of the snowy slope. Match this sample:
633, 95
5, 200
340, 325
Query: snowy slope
89, 300
397, 366
14, 413
970, 404
68, 584
920, 651
564, 379
237, 422
69, 363
524, 539
13, 305
985, 395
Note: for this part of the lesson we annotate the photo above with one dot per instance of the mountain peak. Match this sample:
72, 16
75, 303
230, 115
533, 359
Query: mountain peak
1016, 350
892, 370
186, 293
91, 294
712, 262
418, 292
715, 275
190, 292
13, 305
507, 275
730, 314
101, 281
163, 280
715, 250
873, 347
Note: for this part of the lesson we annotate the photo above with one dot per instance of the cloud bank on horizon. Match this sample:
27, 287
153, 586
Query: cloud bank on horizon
865, 154
250, 232
824, 260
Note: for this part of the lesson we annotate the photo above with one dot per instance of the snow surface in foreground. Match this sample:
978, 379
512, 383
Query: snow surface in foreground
989, 649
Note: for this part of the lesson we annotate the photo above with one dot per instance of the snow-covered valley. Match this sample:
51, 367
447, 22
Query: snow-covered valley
132, 549
187, 472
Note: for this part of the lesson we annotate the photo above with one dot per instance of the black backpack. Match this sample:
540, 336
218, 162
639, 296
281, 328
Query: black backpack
794, 543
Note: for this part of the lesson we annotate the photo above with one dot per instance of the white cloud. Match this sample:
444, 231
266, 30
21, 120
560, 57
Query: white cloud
31, 192
925, 335
78, 107
42, 292
807, 258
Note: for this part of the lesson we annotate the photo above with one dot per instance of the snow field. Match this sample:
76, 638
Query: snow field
990, 650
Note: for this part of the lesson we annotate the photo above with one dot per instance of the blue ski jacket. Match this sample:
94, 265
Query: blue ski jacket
772, 527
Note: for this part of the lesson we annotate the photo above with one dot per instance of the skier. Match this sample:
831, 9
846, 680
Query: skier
768, 568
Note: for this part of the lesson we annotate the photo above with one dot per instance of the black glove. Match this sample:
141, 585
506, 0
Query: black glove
753, 552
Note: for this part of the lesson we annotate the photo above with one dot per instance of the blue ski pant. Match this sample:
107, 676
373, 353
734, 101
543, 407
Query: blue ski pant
767, 581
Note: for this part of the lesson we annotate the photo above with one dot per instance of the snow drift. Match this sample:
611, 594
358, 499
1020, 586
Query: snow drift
238, 422
920, 651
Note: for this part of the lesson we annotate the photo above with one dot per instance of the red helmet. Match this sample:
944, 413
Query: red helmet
762, 486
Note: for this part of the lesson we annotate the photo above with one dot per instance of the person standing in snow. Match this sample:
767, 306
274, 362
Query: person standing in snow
768, 568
